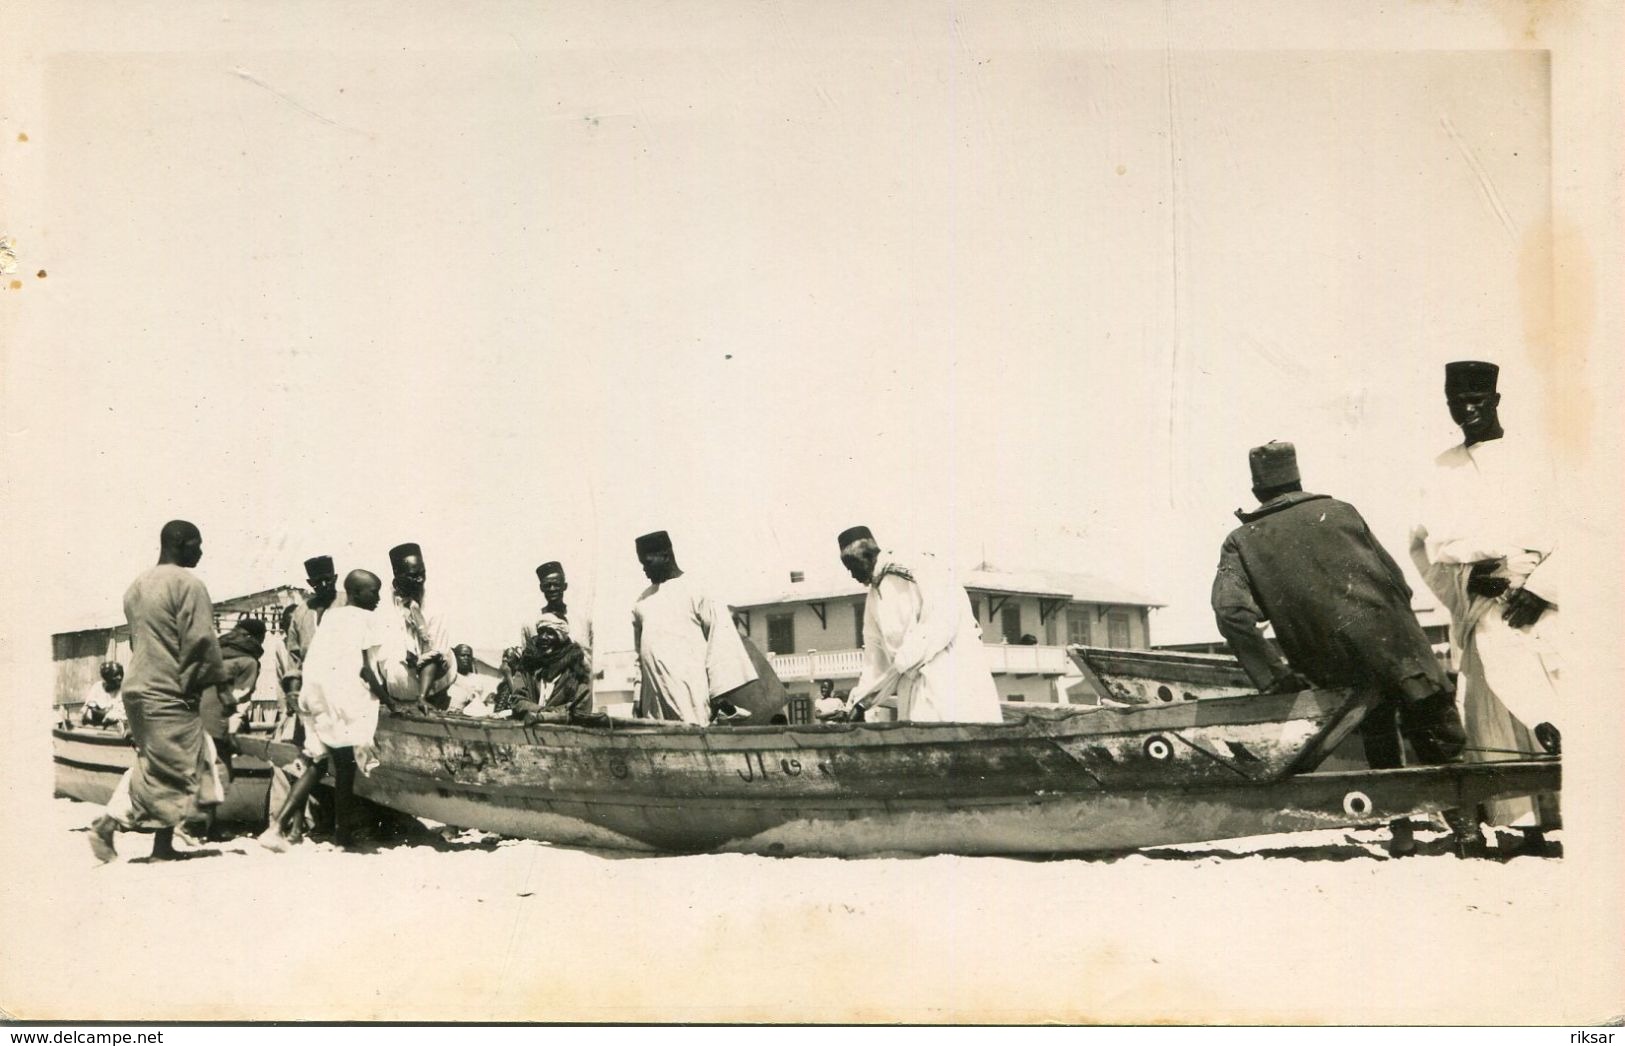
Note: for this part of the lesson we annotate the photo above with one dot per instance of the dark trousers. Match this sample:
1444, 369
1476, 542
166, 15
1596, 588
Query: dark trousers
1432, 726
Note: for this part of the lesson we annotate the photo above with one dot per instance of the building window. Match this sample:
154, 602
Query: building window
1049, 630
857, 624
1010, 622
1077, 627
781, 633
1117, 629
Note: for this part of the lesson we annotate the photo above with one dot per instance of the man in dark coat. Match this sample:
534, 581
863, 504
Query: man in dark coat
1309, 565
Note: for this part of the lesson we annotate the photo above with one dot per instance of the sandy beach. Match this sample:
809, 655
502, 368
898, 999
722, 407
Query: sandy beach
473, 927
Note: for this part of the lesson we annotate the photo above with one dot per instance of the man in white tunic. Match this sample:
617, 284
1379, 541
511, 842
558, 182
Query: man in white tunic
1486, 548
919, 638
689, 654
339, 704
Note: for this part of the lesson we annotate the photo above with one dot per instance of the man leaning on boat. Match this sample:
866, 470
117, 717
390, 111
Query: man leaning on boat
919, 638
1341, 609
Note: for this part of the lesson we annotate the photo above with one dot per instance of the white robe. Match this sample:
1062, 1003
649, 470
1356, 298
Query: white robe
1492, 501
400, 676
919, 637
338, 707
688, 651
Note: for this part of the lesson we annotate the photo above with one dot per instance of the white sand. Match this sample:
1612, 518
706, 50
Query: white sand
1301, 928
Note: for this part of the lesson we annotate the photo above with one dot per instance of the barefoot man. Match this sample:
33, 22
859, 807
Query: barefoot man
174, 657
339, 704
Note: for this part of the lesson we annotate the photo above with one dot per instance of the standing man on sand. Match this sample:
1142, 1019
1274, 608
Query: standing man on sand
174, 656
919, 638
298, 632
1342, 614
689, 654
339, 702
1486, 549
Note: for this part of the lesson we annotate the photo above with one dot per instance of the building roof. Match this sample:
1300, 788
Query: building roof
107, 621
1046, 584
1055, 584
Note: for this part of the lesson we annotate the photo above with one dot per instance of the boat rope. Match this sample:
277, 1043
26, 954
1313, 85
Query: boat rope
1511, 751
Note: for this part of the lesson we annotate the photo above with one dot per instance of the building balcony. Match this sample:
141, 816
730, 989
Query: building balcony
1002, 660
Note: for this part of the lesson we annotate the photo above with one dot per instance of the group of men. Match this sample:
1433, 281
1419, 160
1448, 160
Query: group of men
1305, 563
340, 662
1341, 609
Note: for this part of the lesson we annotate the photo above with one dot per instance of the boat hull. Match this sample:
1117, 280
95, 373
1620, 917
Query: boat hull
88, 764
1029, 824
1103, 780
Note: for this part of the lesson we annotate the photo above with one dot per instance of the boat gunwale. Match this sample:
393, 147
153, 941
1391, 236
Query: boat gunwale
1241, 710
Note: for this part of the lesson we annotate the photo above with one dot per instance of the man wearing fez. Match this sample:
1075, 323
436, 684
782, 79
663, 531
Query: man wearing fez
1485, 547
1342, 615
174, 657
417, 663
919, 637
551, 580
298, 632
689, 654
323, 581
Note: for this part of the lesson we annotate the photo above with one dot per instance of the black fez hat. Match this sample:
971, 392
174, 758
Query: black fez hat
1274, 464
851, 534
319, 566
400, 552
552, 566
252, 625
1470, 376
658, 541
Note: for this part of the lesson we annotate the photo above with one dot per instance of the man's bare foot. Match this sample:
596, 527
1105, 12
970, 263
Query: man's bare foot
101, 839
273, 839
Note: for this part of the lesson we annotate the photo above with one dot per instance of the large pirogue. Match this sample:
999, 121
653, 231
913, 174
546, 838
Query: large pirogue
1192, 765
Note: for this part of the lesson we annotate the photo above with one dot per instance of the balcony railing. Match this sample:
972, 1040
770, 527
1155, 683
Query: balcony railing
848, 664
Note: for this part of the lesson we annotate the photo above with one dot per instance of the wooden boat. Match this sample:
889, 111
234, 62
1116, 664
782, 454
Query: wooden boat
89, 762
1067, 780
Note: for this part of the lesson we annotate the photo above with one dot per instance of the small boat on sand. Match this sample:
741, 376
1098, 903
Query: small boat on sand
90, 760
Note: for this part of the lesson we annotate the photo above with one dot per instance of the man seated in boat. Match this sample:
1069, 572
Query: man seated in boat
104, 704
547, 675
1342, 614
416, 660
829, 705
470, 689
919, 638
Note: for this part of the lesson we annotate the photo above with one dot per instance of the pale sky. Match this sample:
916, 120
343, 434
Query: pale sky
1029, 303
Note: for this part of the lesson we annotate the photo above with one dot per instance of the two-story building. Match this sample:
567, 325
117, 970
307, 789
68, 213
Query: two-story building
814, 630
